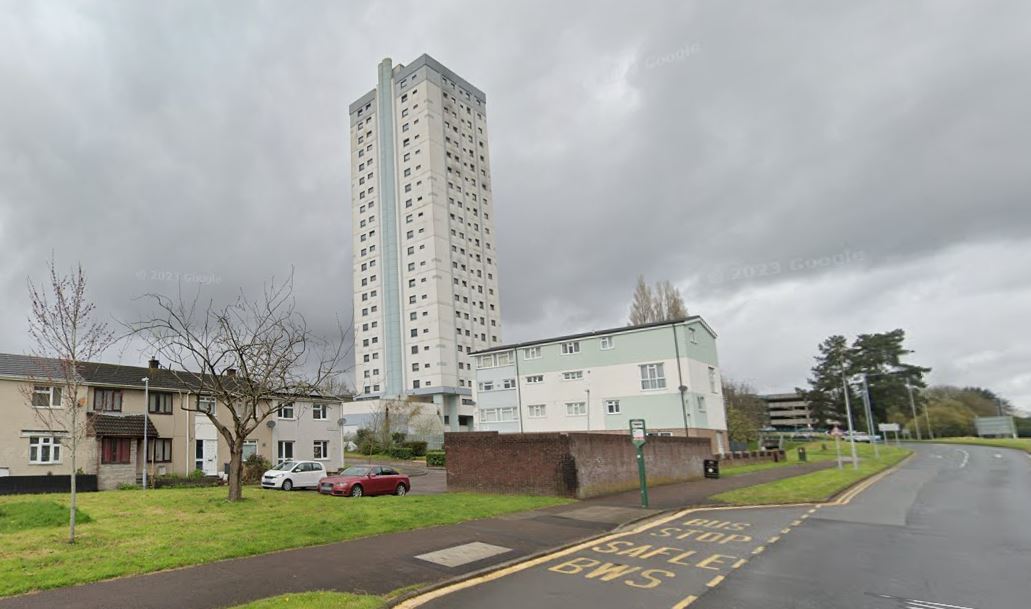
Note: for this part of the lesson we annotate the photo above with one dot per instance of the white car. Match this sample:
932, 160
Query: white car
289, 475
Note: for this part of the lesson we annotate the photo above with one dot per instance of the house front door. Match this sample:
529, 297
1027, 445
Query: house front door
207, 457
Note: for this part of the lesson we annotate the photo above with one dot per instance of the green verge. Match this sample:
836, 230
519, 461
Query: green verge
1023, 444
822, 450
317, 600
35, 514
816, 486
135, 532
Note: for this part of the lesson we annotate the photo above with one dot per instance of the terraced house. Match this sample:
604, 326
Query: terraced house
112, 401
666, 373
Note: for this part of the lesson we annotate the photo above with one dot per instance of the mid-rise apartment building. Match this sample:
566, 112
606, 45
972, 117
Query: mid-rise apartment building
425, 262
788, 411
666, 373
112, 401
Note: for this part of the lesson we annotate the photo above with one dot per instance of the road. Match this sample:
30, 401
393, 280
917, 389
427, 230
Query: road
950, 529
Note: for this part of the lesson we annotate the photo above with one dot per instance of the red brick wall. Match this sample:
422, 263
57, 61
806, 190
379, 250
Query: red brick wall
566, 464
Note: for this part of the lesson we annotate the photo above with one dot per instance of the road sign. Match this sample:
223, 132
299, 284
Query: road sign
886, 427
995, 427
637, 432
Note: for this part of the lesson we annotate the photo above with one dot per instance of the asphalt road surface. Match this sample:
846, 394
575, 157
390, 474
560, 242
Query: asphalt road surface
951, 529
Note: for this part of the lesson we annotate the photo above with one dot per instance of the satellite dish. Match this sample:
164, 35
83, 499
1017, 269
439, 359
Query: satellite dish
270, 424
341, 422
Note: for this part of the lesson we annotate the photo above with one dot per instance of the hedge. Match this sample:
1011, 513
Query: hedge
418, 448
435, 458
397, 452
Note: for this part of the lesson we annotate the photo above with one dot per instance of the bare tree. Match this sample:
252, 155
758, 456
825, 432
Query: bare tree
65, 333
642, 310
661, 303
251, 356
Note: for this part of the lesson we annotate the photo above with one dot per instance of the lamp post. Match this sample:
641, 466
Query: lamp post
146, 422
869, 416
912, 406
848, 415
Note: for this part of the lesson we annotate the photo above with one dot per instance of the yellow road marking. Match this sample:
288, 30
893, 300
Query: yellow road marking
785, 531
740, 563
795, 523
684, 603
715, 581
812, 511
758, 550
773, 539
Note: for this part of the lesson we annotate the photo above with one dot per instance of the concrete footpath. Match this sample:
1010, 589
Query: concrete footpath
380, 564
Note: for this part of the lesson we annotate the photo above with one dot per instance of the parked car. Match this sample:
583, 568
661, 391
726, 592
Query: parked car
289, 475
359, 480
862, 437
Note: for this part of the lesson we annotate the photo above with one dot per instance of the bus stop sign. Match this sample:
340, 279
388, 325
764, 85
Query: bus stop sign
637, 432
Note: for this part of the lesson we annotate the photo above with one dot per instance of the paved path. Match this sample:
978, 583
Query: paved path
948, 530
384, 563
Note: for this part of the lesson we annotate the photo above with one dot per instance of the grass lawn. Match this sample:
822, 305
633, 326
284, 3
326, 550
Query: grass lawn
327, 600
821, 450
133, 532
35, 514
1023, 444
317, 600
816, 486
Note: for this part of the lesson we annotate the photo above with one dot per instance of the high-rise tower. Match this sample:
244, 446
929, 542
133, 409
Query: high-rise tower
425, 265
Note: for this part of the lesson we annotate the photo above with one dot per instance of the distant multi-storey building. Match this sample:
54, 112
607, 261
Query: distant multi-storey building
788, 411
666, 373
425, 264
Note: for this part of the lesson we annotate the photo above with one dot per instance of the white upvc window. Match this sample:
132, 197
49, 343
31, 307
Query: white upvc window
286, 410
285, 450
573, 375
206, 404
504, 358
45, 396
320, 450
712, 380
487, 386
576, 409
570, 348
652, 377
612, 407
536, 411
508, 384
485, 361
508, 413
318, 412
535, 379
606, 343
532, 353
44, 450
489, 415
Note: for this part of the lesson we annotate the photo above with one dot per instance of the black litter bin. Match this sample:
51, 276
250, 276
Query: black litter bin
712, 468
801, 454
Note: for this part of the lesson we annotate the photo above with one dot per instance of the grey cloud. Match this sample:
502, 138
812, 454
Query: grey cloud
673, 139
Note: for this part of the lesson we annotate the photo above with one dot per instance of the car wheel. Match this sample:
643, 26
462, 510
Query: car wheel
401, 490
356, 490
288, 485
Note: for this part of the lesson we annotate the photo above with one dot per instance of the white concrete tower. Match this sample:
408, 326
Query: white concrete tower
425, 264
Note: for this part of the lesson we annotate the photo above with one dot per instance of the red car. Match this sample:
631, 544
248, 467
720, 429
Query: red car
359, 480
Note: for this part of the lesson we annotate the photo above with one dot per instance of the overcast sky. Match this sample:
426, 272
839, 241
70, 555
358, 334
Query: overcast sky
798, 169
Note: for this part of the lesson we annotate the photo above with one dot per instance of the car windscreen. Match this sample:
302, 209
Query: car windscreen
285, 466
355, 471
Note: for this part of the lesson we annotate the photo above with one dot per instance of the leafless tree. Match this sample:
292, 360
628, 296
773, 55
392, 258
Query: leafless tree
66, 334
661, 303
251, 356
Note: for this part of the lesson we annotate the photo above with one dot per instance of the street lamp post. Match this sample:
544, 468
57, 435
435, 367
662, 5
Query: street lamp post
848, 415
912, 406
146, 422
869, 417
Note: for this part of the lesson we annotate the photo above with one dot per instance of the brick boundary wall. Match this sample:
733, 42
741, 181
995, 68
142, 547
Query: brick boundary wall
573, 464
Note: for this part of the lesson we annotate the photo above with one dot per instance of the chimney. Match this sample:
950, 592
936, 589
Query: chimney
154, 364
230, 371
